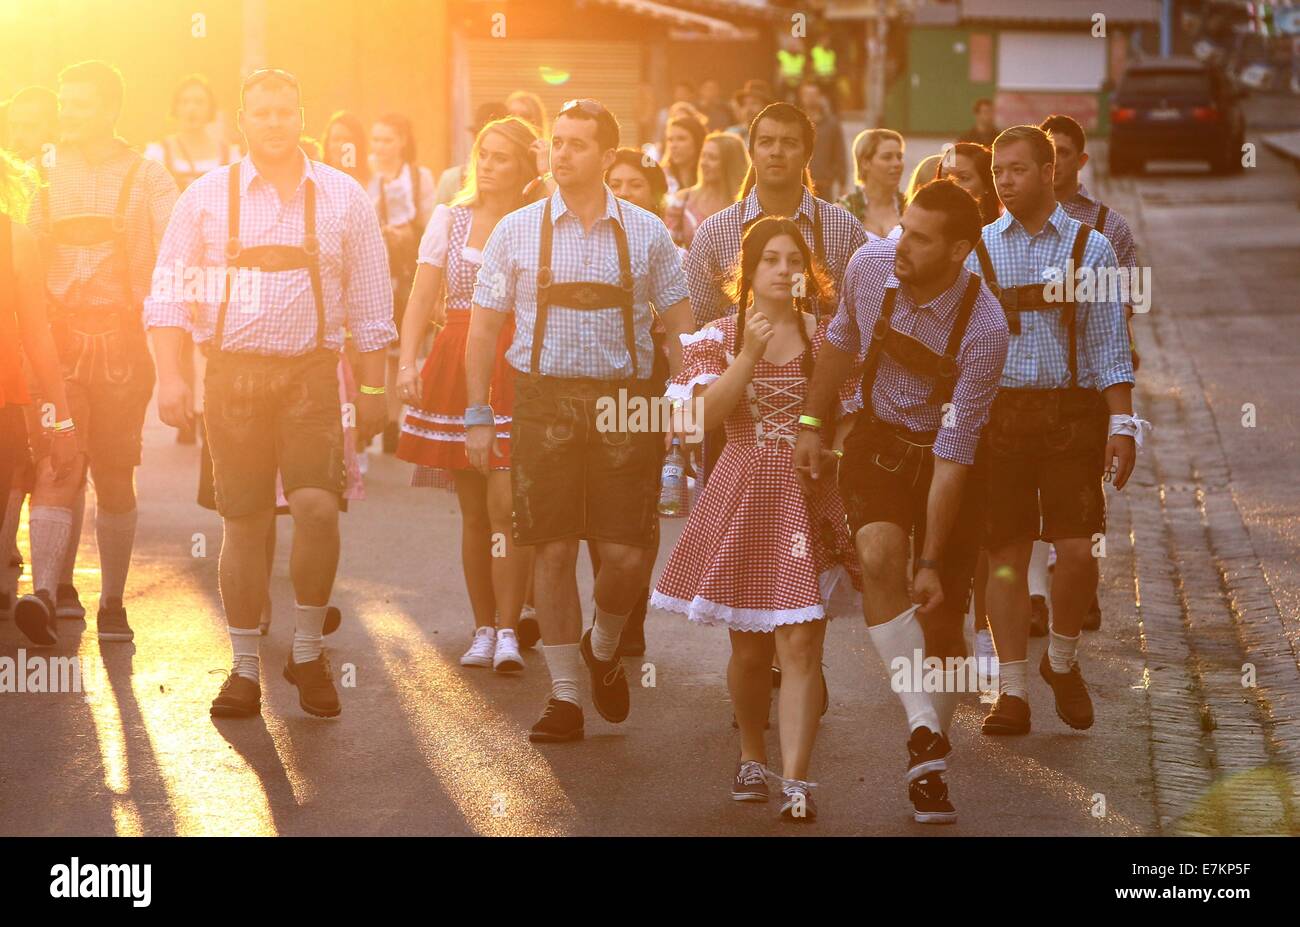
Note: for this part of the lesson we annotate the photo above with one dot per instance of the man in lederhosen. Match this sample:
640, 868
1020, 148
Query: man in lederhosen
1069, 140
579, 270
1063, 418
934, 340
304, 259
100, 218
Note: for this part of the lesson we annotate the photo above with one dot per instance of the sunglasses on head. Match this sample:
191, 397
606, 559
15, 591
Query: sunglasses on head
588, 106
261, 74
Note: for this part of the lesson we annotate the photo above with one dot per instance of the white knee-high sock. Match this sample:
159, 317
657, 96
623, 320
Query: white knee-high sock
1011, 678
50, 529
1061, 651
115, 532
245, 643
563, 661
605, 630
901, 638
1038, 568
308, 632
74, 542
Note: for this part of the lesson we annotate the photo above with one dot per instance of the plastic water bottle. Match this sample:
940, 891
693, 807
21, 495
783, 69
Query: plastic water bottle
673, 500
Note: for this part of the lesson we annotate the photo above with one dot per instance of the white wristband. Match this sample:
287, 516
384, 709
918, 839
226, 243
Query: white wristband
1129, 425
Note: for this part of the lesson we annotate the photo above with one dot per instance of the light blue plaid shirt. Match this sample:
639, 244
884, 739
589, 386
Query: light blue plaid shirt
580, 343
1038, 357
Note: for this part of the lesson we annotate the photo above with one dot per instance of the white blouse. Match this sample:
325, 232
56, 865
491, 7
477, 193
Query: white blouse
399, 197
437, 235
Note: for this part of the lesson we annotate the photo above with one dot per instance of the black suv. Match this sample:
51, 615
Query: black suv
1175, 109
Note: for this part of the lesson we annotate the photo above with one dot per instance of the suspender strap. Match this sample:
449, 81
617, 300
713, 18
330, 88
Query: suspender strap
232, 250
544, 280
121, 254
947, 381
878, 335
986, 266
1068, 310
311, 245
1102, 213
626, 282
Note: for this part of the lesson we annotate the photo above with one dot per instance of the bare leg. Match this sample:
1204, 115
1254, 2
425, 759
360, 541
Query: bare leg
800, 702
476, 546
241, 571
314, 558
510, 570
749, 679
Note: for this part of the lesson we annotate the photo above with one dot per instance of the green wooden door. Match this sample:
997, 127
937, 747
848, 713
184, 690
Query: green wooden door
941, 91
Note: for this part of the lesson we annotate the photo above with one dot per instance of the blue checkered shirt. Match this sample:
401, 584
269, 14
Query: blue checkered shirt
1084, 207
1038, 357
715, 250
580, 343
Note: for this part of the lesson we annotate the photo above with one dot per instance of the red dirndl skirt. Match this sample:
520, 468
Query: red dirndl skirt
433, 435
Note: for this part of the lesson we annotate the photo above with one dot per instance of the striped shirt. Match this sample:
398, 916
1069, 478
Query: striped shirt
899, 396
1085, 208
1038, 357
715, 250
86, 277
580, 343
281, 319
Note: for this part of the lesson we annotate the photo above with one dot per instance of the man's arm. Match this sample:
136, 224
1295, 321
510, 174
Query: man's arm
163, 193
677, 322
367, 285
33, 325
702, 276
480, 352
668, 287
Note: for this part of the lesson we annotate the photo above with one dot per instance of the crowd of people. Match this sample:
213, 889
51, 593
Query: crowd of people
895, 417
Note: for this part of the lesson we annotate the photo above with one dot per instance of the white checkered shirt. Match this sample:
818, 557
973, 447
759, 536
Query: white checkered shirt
580, 343
358, 294
715, 250
1038, 357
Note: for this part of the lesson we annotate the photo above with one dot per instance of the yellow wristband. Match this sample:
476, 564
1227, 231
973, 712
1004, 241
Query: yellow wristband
373, 390
809, 420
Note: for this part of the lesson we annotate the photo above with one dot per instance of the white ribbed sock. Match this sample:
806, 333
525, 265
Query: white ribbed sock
1038, 568
115, 532
308, 632
605, 631
50, 529
74, 542
901, 636
245, 642
1011, 678
564, 663
1061, 651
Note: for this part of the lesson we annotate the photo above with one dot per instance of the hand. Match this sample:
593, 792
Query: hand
65, 452
758, 332
927, 590
809, 457
480, 441
175, 403
1121, 455
408, 384
372, 416
542, 154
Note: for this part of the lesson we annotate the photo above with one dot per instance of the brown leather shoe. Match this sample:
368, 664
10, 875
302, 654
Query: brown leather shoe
1009, 717
240, 697
316, 694
1073, 703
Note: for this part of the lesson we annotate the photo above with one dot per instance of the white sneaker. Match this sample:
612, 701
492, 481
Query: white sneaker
480, 650
986, 663
507, 658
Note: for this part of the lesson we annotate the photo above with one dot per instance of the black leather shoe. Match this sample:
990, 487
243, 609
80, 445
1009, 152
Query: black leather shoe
608, 683
1073, 703
239, 698
560, 721
316, 693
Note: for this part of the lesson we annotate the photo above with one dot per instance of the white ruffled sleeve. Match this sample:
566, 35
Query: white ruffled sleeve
433, 244
704, 359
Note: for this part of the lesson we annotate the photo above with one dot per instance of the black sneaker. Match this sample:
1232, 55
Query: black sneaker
1008, 717
1073, 704
528, 630
111, 624
239, 697
750, 783
631, 642
608, 683
930, 804
925, 753
67, 604
560, 721
797, 803
1092, 620
34, 615
1037, 616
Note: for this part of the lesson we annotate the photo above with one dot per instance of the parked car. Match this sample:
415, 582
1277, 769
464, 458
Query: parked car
1176, 109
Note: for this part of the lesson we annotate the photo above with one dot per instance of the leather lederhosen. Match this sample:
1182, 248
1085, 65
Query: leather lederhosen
272, 258
97, 344
894, 442
582, 295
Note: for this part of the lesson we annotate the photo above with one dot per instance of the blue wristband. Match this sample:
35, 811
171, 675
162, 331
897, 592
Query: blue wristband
480, 415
